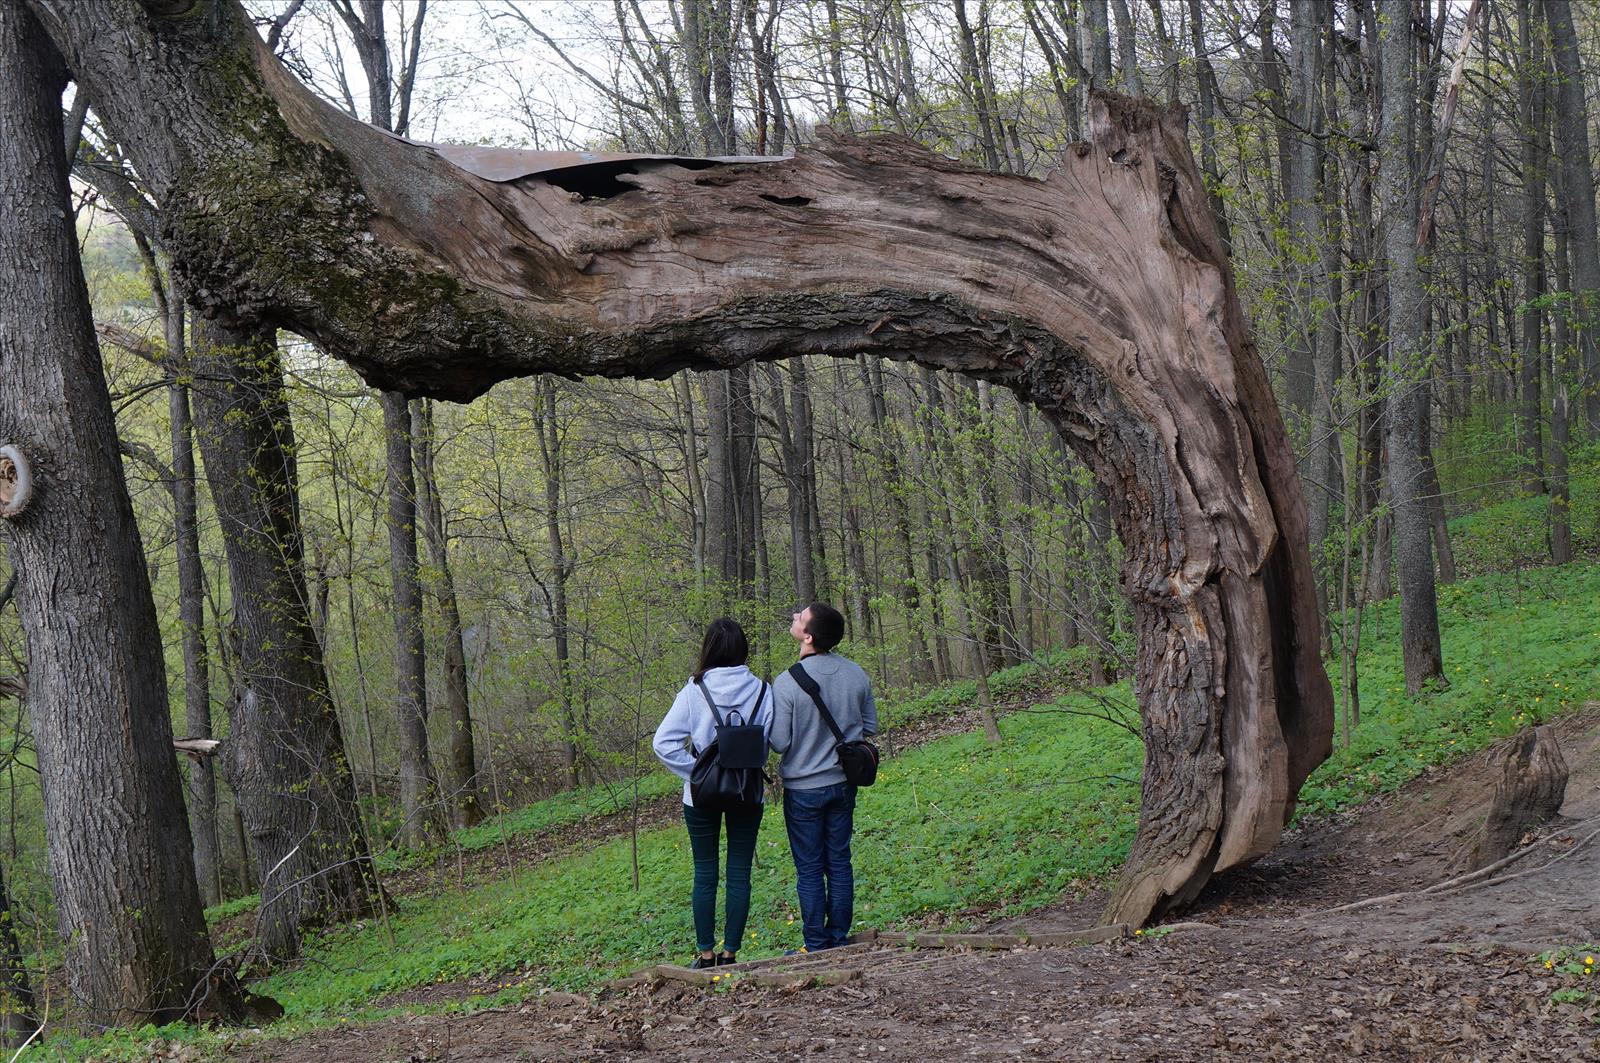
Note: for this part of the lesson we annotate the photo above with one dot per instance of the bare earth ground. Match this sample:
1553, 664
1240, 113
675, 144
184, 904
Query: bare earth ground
1272, 975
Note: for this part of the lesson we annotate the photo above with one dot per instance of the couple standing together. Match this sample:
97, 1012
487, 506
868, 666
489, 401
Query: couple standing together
816, 717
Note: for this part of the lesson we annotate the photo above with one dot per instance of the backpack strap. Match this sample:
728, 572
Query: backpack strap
715, 715
755, 711
798, 673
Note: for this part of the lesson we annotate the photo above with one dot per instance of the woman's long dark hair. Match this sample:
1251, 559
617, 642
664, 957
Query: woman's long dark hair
723, 646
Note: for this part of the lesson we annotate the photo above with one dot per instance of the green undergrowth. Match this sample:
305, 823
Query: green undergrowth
956, 833
1519, 648
1514, 534
1046, 671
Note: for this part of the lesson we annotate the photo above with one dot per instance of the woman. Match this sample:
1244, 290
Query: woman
689, 727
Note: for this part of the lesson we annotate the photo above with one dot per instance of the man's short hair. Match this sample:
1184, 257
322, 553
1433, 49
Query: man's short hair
825, 626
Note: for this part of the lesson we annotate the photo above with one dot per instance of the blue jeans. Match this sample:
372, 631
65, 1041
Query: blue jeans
820, 822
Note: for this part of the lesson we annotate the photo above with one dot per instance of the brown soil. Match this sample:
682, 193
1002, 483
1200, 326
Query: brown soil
1260, 970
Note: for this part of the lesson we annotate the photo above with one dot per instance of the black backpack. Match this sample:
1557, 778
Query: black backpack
858, 759
727, 774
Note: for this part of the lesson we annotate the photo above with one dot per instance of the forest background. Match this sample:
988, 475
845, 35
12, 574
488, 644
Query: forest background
506, 594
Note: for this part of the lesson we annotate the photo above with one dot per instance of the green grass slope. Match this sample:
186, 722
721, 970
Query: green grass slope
956, 832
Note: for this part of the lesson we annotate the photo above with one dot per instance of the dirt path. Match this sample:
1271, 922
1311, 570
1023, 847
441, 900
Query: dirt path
1269, 975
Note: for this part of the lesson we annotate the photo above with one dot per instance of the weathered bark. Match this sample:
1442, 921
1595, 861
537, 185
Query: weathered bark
1101, 294
137, 948
418, 794
285, 756
463, 781
1530, 785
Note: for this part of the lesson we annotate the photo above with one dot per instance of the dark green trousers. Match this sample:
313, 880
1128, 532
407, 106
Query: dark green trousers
705, 837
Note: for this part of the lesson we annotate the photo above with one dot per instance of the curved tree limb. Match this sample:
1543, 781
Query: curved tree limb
1102, 294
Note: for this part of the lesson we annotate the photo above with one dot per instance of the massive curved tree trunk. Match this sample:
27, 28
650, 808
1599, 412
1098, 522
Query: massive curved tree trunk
1101, 294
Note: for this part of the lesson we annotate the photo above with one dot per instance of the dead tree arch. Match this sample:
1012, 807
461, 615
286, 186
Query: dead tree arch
1100, 293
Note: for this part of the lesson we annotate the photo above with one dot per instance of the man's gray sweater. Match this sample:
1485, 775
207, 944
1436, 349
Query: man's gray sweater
798, 730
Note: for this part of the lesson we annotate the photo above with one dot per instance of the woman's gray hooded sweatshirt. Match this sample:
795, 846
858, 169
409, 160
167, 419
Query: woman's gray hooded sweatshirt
690, 721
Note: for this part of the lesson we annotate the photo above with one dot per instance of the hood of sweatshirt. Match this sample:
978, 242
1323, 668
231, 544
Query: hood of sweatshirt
734, 687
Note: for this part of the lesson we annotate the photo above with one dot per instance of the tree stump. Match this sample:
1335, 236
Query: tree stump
1530, 785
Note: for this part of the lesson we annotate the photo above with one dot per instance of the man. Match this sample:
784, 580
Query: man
818, 805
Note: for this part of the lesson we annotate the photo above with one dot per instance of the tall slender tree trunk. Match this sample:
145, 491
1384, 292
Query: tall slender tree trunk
463, 785
1407, 377
742, 476
1535, 153
691, 464
1562, 357
285, 757
1578, 187
1206, 116
988, 135
191, 611
418, 792
1096, 29
137, 948
1127, 50
552, 461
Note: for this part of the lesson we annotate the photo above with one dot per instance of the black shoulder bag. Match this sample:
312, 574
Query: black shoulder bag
727, 773
858, 759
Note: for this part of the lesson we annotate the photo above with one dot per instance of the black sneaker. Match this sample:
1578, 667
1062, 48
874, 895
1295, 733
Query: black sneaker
726, 958
700, 963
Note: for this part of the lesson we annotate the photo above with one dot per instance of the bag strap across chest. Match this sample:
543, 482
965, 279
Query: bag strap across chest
798, 673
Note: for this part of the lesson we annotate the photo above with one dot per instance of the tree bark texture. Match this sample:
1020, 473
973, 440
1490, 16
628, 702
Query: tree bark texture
1530, 786
464, 793
418, 797
285, 755
192, 613
1102, 294
1578, 188
136, 946
1406, 427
